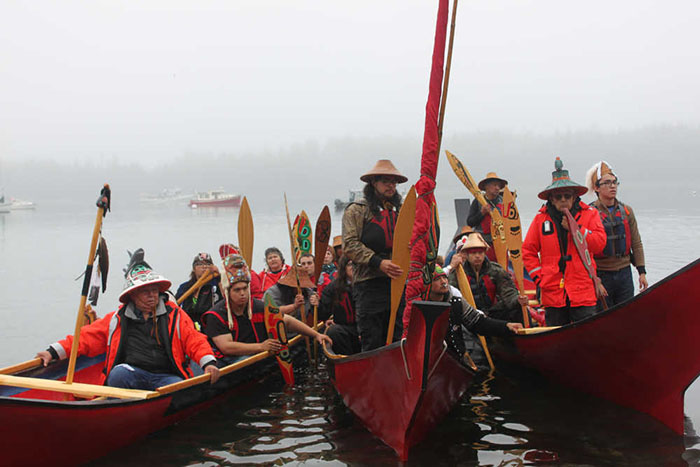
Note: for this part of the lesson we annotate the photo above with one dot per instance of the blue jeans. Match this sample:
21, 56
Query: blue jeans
618, 284
131, 377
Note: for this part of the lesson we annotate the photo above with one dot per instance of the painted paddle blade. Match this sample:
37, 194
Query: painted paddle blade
498, 234
323, 235
274, 323
467, 295
304, 233
465, 177
514, 240
246, 233
401, 254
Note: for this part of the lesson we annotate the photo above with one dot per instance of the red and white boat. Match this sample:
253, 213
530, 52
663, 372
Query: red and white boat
215, 199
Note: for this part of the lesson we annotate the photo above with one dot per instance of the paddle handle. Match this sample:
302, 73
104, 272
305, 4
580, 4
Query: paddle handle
206, 277
467, 295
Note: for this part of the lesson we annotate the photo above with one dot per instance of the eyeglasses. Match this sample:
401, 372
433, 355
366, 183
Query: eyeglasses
615, 182
559, 196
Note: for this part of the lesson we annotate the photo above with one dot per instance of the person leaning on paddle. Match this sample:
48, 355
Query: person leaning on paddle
368, 234
624, 244
550, 256
147, 340
201, 300
463, 314
479, 217
492, 286
242, 332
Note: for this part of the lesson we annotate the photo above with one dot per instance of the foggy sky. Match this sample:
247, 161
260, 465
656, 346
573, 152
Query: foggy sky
151, 81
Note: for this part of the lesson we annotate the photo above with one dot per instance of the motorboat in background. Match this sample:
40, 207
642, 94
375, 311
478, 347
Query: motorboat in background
215, 199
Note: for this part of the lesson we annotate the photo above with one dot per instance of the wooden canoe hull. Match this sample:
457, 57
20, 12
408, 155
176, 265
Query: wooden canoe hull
43, 428
641, 354
400, 392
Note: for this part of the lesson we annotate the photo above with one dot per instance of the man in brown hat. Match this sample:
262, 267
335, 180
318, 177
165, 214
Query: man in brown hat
624, 244
368, 235
550, 256
287, 296
480, 216
338, 247
492, 286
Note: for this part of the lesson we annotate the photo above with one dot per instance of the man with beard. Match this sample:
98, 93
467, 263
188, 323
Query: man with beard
368, 235
550, 256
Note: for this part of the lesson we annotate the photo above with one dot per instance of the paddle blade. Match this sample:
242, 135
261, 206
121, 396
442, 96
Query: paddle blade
274, 323
498, 234
304, 233
323, 235
514, 235
246, 232
401, 254
465, 177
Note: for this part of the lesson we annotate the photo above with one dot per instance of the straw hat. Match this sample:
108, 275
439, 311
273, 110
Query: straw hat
560, 179
141, 275
384, 167
337, 241
490, 177
466, 230
472, 241
290, 279
595, 173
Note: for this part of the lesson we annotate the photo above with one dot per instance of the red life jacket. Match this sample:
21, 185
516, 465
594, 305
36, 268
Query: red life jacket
486, 221
617, 229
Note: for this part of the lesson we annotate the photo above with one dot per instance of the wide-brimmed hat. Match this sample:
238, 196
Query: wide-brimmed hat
290, 279
466, 230
337, 241
384, 167
139, 275
472, 241
595, 173
560, 179
492, 177
234, 264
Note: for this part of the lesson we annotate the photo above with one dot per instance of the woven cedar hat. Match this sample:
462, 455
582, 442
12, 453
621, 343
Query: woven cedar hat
236, 267
466, 230
337, 241
491, 176
384, 167
560, 179
290, 279
140, 275
472, 241
595, 173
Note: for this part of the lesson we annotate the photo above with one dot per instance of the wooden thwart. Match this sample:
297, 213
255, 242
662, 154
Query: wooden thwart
29, 364
537, 330
78, 389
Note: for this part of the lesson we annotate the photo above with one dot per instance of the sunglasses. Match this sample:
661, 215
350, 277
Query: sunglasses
559, 196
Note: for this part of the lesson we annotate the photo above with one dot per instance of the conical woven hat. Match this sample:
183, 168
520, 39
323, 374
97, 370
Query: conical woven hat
140, 275
384, 167
290, 279
560, 179
491, 176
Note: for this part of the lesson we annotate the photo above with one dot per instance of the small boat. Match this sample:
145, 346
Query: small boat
19, 204
48, 422
353, 195
400, 392
167, 195
215, 198
642, 354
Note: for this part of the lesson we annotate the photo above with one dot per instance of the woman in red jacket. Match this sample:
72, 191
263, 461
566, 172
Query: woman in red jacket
550, 256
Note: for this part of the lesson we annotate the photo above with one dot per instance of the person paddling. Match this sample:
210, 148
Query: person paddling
550, 256
479, 217
147, 340
368, 234
243, 332
624, 244
203, 299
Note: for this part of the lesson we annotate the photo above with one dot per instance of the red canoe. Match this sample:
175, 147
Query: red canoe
401, 391
641, 354
41, 427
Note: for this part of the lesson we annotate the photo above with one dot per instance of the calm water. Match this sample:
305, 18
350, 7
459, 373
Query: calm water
502, 421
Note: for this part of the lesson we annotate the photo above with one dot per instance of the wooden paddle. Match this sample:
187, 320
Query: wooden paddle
103, 205
585, 255
497, 229
294, 246
246, 233
274, 323
401, 255
514, 240
206, 277
469, 297
323, 235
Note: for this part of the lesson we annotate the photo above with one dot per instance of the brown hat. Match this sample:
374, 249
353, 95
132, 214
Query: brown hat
290, 279
472, 241
337, 241
492, 177
384, 167
466, 230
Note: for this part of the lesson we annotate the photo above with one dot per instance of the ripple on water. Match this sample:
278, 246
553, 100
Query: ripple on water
503, 440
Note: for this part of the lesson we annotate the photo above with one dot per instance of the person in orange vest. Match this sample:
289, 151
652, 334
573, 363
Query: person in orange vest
147, 340
624, 244
480, 216
550, 256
